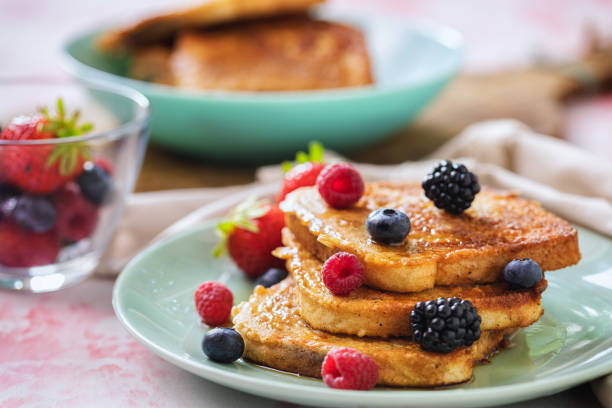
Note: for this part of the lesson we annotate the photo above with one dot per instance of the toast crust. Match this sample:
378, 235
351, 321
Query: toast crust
370, 312
162, 27
441, 249
282, 54
276, 336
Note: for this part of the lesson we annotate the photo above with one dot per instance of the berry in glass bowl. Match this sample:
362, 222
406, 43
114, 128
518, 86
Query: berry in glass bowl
69, 156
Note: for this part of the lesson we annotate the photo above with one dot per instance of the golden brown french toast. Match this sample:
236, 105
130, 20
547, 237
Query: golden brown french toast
283, 54
276, 336
441, 249
370, 312
152, 64
163, 27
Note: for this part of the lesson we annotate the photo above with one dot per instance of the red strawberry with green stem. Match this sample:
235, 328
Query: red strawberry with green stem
305, 173
250, 233
42, 169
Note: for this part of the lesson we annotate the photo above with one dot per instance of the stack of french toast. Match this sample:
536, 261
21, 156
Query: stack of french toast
449, 256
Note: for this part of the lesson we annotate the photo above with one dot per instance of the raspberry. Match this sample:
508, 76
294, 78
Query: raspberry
76, 217
342, 273
340, 185
348, 369
22, 248
213, 302
302, 175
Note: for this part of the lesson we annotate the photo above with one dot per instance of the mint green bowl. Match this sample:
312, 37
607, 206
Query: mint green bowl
411, 61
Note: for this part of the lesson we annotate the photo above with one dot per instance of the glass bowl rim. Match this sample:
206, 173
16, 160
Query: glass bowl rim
138, 121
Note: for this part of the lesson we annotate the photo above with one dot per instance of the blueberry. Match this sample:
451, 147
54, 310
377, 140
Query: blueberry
271, 277
95, 184
388, 225
7, 191
34, 213
523, 273
8, 196
223, 345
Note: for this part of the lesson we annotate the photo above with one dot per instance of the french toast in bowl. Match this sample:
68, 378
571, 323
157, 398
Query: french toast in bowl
348, 77
237, 45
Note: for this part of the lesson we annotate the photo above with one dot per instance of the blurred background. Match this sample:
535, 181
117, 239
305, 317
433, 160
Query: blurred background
519, 56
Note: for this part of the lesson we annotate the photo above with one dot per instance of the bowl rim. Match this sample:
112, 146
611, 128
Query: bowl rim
140, 120
436, 32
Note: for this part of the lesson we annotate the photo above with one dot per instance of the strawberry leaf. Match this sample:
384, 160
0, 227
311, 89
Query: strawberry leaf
66, 155
60, 108
315, 154
60, 126
301, 157
286, 166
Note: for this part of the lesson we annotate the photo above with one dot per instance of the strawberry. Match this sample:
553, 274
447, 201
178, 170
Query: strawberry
27, 167
250, 233
26, 128
302, 175
22, 248
42, 169
305, 173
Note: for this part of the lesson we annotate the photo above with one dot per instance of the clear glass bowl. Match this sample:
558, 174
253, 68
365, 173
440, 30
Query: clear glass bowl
67, 246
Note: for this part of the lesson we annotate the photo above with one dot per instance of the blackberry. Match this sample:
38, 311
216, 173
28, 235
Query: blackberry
451, 187
445, 324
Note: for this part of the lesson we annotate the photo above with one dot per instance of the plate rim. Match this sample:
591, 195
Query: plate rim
278, 390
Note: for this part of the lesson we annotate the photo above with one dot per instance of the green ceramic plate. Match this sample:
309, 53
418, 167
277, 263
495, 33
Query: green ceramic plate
570, 344
411, 62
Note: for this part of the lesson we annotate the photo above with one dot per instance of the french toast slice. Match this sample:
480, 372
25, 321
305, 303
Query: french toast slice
370, 312
152, 64
281, 54
441, 249
277, 337
161, 28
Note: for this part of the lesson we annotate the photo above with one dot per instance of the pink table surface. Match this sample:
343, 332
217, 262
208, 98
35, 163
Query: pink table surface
67, 349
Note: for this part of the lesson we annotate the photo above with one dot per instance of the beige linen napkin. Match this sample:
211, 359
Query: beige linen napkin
505, 154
